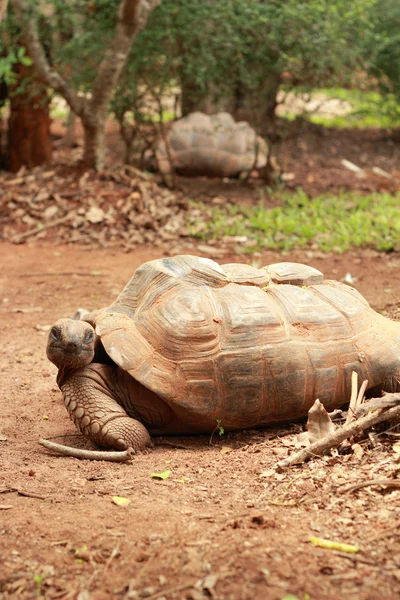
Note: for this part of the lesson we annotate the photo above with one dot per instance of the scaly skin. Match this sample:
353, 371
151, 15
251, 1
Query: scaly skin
91, 391
90, 401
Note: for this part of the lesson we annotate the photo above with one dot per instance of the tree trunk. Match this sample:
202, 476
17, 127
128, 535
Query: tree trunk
29, 141
257, 107
131, 18
94, 144
3, 8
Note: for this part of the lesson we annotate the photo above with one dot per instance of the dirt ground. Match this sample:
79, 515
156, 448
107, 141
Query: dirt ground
225, 524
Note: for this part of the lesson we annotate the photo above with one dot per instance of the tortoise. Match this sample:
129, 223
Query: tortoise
189, 343
211, 145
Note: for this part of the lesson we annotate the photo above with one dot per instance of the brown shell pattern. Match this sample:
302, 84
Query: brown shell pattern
246, 345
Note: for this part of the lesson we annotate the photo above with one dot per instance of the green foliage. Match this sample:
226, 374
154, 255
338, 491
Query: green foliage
218, 428
7, 63
331, 223
383, 48
38, 579
224, 48
77, 34
369, 109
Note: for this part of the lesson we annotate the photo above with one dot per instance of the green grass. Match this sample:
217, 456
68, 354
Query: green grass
369, 109
329, 223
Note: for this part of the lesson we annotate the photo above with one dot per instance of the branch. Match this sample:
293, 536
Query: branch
121, 456
50, 76
3, 8
132, 17
335, 438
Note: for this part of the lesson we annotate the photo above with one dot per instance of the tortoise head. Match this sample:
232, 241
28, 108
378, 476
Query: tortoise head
71, 343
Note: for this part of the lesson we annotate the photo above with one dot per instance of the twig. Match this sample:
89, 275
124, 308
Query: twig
377, 403
170, 590
353, 398
360, 397
394, 483
22, 236
22, 493
88, 454
356, 558
336, 437
29, 494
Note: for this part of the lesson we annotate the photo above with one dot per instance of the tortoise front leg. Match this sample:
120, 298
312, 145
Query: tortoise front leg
93, 407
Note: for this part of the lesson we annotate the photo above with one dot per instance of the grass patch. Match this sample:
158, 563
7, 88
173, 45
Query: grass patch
329, 223
369, 109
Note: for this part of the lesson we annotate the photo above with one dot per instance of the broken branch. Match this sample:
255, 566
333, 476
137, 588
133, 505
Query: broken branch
336, 437
120, 456
393, 483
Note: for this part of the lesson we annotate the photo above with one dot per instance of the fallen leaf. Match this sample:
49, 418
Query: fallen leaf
358, 450
302, 439
209, 582
225, 449
3, 438
319, 423
269, 473
333, 545
396, 447
95, 215
163, 475
120, 501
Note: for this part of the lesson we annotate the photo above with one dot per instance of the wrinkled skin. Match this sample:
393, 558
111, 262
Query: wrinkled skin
94, 393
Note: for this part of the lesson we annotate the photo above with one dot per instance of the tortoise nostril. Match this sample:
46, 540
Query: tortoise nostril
71, 346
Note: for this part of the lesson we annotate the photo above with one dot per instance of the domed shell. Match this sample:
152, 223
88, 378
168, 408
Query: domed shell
249, 346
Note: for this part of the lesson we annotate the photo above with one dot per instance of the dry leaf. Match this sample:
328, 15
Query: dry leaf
333, 545
269, 473
396, 447
319, 423
95, 215
120, 501
225, 449
163, 475
358, 450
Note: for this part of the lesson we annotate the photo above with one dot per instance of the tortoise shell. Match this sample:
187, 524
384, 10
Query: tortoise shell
215, 145
245, 345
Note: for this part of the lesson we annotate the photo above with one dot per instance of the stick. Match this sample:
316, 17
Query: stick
29, 494
360, 397
377, 403
22, 236
353, 398
336, 437
88, 454
170, 590
357, 486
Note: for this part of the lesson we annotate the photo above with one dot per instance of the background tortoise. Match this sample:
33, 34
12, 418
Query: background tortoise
188, 342
212, 145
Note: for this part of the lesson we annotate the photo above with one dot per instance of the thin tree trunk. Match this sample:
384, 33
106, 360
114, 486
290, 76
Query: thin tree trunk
29, 141
3, 8
131, 18
94, 144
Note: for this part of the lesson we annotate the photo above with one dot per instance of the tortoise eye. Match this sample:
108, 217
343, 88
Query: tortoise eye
89, 335
55, 333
